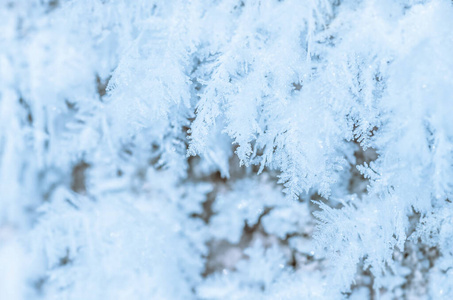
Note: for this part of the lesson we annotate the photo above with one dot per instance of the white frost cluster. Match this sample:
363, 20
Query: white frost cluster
226, 149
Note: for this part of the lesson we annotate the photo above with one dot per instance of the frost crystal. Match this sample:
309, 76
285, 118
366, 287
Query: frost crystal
226, 149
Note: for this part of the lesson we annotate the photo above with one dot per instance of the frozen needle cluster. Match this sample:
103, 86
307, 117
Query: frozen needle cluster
226, 149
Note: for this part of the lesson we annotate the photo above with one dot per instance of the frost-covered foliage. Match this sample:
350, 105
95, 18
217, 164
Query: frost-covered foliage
226, 149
